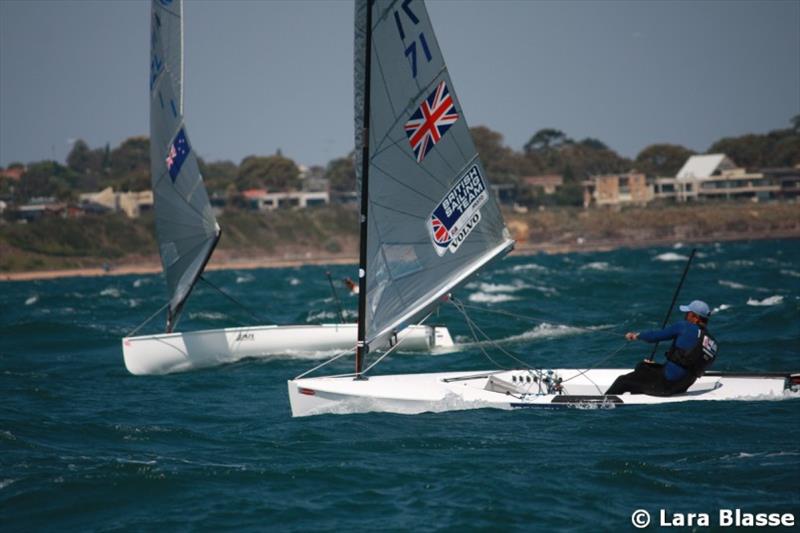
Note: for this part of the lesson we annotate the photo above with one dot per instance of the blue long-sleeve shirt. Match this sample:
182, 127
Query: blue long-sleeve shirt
684, 334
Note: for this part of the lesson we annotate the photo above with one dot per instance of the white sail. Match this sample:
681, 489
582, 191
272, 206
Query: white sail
186, 228
432, 217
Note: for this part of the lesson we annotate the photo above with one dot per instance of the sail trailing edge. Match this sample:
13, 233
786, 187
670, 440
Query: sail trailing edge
186, 228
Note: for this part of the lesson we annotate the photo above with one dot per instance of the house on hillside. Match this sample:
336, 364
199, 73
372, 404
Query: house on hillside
132, 204
617, 190
715, 177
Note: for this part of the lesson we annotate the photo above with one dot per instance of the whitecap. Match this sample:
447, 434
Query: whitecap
6, 482
601, 266
722, 307
207, 315
328, 316
529, 266
294, 282
32, 300
741, 263
133, 302
110, 291
677, 246
772, 300
670, 256
792, 273
732, 284
246, 278
491, 298
498, 287
542, 331
140, 282
711, 265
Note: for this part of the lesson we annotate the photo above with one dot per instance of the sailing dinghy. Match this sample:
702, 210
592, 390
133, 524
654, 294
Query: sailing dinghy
428, 224
187, 232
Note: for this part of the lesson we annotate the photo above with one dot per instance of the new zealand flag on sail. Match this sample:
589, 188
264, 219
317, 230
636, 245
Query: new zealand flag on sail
178, 152
430, 122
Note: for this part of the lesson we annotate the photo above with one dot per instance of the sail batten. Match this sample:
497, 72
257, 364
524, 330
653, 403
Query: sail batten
434, 220
186, 228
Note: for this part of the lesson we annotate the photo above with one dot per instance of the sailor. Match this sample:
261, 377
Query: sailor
693, 350
351, 285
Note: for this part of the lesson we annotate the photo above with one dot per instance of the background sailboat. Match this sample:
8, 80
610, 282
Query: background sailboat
428, 223
188, 232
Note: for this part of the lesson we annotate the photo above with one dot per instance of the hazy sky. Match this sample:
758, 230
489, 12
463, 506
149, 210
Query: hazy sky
262, 75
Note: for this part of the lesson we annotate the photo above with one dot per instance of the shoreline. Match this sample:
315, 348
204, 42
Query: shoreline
153, 266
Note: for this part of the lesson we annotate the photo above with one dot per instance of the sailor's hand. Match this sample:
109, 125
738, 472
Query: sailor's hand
631, 336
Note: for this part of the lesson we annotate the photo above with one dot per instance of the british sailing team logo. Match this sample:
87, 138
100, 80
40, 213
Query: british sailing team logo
430, 121
458, 213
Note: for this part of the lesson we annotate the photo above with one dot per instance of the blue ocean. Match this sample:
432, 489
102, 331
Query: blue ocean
86, 446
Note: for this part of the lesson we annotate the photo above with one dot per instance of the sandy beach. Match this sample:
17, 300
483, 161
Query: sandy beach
225, 261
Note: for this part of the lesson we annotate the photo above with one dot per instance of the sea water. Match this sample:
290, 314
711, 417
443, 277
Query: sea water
86, 446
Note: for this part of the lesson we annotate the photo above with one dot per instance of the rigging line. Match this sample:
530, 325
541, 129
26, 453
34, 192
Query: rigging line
393, 348
597, 363
608, 331
325, 363
479, 343
237, 302
151, 317
498, 346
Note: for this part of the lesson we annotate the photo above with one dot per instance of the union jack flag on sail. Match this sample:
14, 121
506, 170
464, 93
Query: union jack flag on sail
430, 122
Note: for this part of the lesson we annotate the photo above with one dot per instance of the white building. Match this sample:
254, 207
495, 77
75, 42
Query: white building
714, 177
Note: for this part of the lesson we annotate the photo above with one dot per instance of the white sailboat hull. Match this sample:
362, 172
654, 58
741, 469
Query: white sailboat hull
176, 352
452, 391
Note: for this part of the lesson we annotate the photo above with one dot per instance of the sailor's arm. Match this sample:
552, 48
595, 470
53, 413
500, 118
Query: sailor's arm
655, 335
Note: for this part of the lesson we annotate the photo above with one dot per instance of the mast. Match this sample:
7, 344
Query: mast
361, 347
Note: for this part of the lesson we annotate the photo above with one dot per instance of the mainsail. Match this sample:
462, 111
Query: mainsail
186, 228
432, 217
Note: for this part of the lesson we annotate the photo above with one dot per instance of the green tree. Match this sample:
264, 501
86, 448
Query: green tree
546, 139
273, 172
48, 178
130, 165
502, 164
218, 175
594, 144
80, 157
662, 159
341, 174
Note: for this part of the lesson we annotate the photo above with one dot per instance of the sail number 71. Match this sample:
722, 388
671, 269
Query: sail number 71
411, 49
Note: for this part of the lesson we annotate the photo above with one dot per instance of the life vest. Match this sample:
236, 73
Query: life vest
699, 357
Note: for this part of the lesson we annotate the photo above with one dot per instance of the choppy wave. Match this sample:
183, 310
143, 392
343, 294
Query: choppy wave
491, 298
315, 317
544, 330
602, 266
529, 266
208, 315
110, 291
498, 287
772, 300
732, 284
671, 256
